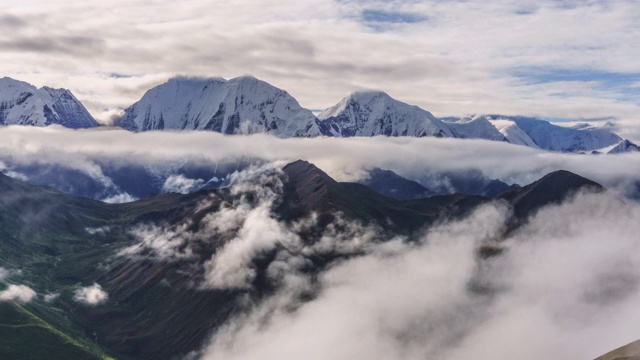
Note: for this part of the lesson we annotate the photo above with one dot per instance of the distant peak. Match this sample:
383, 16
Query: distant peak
57, 90
299, 165
195, 79
301, 169
552, 188
245, 78
362, 96
368, 93
567, 177
8, 80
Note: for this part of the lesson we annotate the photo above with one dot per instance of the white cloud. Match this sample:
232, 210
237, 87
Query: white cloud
5, 273
562, 289
51, 297
91, 295
166, 244
461, 59
345, 159
119, 198
231, 267
21, 293
181, 184
102, 230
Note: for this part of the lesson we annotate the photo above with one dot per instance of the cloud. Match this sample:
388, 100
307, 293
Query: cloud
345, 159
91, 295
181, 184
21, 293
464, 59
119, 198
160, 243
573, 284
5, 273
231, 266
102, 230
51, 297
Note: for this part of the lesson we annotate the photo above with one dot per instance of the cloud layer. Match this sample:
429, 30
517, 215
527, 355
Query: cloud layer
345, 159
561, 289
572, 59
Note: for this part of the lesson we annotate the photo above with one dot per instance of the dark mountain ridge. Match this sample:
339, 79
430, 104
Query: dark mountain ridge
156, 309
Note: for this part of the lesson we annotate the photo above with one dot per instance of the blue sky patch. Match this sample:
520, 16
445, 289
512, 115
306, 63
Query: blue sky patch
382, 16
626, 85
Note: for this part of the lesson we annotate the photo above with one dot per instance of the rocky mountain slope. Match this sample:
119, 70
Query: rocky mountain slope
154, 304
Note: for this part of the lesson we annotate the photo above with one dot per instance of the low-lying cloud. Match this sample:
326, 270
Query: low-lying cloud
20, 293
345, 159
91, 295
3, 273
565, 287
181, 184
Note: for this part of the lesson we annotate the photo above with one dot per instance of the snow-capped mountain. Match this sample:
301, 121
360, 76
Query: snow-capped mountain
246, 105
240, 105
476, 128
370, 113
24, 104
545, 135
512, 132
624, 147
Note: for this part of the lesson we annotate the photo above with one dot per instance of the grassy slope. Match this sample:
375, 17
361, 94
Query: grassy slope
44, 234
26, 336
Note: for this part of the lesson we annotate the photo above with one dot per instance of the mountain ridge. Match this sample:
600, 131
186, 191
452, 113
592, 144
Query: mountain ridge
247, 105
154, 308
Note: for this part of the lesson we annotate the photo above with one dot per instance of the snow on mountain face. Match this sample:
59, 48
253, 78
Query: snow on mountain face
371, 113
240, 105
23, 104
624, 147
552, 137
513, 133
476, 128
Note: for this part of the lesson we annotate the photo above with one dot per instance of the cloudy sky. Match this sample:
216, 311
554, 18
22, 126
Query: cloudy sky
557, 59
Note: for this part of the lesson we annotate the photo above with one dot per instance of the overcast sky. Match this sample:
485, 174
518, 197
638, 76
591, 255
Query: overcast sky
574, 59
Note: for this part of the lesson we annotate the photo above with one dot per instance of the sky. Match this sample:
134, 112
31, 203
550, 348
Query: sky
557, 59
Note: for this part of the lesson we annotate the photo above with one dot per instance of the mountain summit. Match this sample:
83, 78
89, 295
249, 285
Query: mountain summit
24, 104
240, 105
545, 135
372, 113
246, 105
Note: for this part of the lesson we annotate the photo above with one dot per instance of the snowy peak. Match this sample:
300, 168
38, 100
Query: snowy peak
512, 132
23, 104
476, 128
239, 105
624, 146
545, 135
371, 113
369, 99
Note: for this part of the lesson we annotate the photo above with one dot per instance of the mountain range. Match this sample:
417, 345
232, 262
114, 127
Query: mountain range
23, 104
149, 295
246, 105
